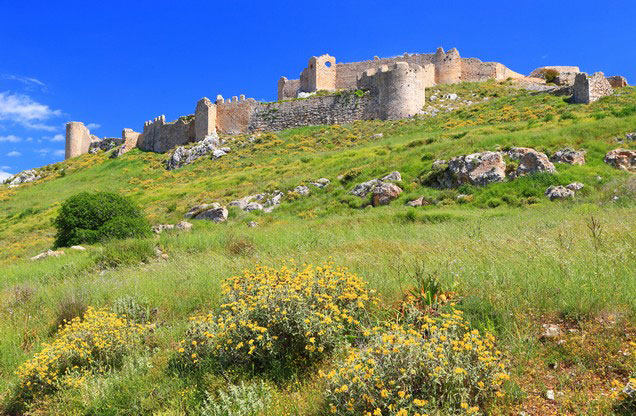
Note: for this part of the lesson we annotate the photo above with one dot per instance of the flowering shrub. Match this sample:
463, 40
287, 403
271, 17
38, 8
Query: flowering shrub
239, 400
96, 342
278, 318
437, 365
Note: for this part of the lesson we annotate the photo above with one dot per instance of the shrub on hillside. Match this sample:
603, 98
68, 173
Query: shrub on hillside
94, 343
432, 366
93, 217
549, 74
282, 320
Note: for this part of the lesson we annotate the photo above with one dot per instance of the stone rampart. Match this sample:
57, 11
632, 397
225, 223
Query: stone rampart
160, 136
233, 115
588, 89
130, 140
288, 88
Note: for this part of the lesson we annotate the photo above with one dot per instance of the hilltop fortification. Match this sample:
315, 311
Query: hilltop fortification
328, 92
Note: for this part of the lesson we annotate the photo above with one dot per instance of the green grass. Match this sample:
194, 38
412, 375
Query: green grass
514, 258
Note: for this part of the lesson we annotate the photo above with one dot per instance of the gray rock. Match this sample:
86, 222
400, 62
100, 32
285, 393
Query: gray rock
573, 157
530, 162
362, 189
218, 214
184, 156
392, 177
421, 201
105, 144
476, 169
194, 211
253, 206
450, 96
302, 190
622, 159
78, 248
48, 253
377, 136
384, 193
575, 186
559, 192
252, 224
549, 394
320, 183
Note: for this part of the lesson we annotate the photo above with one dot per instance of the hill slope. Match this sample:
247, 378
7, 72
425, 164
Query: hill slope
514, 259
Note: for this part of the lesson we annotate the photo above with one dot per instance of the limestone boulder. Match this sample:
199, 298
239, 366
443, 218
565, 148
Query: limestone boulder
421, 201
362, 189
575, 186
622, 159
530, 162
559, 192
78, 248
186, 155
384, 193
617, 81
218, 214
320, 183
194, 211
392, 177
478, 169
570, 156
48, 253
302, 190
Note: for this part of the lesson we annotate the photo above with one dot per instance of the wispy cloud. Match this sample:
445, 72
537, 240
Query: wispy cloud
5, 167
14, 154
59, 153
10, 138
21, 109
93, 126
56, 138
29, 82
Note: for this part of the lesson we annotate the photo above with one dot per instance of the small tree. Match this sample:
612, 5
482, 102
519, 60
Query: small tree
93, 217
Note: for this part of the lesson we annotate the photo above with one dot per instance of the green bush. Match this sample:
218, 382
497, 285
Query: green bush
93, 217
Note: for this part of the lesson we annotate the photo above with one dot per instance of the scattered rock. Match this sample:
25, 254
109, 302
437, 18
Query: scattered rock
302, 190
183, 226
105, 144
559, 192
22, 177
48, 253
252, 224
362, 189
392, 177
266, 202
551, 331
575, 186
549, 394
631, 136
185, 155
253, 206
530, 161
450, 96
159, 228
78, 248
617, 81
384, 193
622, 159
573, 157
421, 201
212, 212
377, 136
320, 183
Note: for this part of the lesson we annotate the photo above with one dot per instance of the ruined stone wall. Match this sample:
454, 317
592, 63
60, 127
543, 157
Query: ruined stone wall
287, 88
130, 140
320, 74
78, 139
448, 66
537, 73
233, 116
617, 81
347, 73
160, 136
341, 108
588, 89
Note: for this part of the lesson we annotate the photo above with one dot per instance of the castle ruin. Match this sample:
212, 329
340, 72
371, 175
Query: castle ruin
328, 92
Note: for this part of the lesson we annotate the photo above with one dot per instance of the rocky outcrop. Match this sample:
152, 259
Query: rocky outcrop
476, 169
211, 212
105, 144
622, 159
23, 177
185, 155
320, 183
384, 193
421, 201
570, 156
48, 253
260, 202
301, 190
530, 162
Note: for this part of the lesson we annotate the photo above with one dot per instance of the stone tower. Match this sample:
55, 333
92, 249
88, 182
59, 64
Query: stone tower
78, 139
448, 66
204, 119
320, 74
399, 90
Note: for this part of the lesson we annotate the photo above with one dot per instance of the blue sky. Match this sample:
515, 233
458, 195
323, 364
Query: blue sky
116, 64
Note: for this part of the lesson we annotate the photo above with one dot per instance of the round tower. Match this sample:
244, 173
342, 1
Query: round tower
77, 139
400, 90
448, 66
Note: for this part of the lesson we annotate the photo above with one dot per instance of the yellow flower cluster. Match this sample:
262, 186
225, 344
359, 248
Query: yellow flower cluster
94, 343
293, 315
435, 365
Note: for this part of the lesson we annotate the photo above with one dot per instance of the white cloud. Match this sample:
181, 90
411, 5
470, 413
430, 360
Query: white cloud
4, 175
59, 153
10, 138
93, 126
57, 138
5, 167
14, 154
24, 80
21, 109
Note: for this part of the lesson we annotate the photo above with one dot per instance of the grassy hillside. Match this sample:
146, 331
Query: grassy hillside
509, 258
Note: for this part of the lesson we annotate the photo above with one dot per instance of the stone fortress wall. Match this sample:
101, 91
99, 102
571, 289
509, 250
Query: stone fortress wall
381, 88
